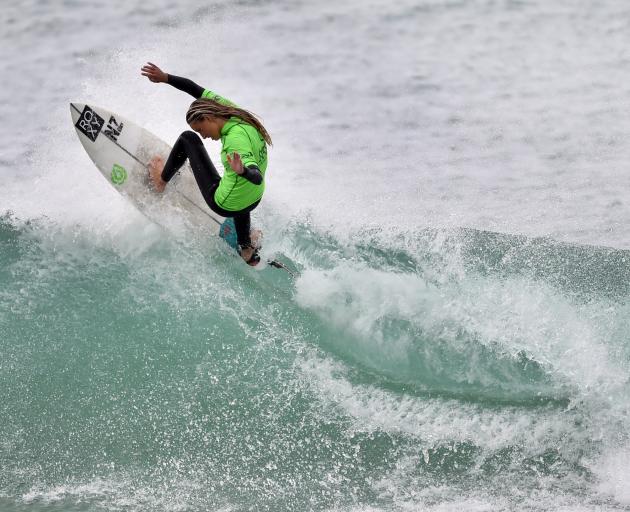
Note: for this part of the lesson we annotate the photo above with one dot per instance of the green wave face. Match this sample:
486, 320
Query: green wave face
445, 367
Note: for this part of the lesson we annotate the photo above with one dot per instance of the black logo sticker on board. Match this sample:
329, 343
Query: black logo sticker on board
113, 129
90, 123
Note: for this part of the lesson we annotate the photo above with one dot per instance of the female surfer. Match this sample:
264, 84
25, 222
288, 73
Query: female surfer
243, 154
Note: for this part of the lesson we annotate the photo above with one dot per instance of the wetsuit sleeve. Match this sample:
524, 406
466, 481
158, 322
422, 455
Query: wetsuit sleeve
186, 85
252, 173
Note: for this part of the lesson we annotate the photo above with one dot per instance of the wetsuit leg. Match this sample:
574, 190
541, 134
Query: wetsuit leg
189, 146
242, 224
242, 221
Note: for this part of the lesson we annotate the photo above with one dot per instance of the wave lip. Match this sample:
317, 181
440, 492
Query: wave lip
477, 323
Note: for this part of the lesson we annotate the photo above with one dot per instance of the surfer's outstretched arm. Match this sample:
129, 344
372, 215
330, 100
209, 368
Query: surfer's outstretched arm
156, 75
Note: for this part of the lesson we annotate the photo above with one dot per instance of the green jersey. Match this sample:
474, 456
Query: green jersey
235, 192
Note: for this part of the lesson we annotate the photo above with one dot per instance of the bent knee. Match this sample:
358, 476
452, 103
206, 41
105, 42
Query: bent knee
190, 136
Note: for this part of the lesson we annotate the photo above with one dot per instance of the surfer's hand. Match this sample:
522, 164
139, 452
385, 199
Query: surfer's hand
153, 73
235, 163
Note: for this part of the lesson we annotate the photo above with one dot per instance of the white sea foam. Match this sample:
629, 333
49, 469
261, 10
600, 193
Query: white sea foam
118, 493
613, 471
437, 422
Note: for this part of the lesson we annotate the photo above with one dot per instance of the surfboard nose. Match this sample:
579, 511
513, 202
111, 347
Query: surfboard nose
76, 110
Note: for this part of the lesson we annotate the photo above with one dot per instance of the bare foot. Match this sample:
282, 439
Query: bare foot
247, 253
155, 173
255, 237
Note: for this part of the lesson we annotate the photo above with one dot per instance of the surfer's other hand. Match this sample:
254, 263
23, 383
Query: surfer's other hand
153, 73
155, 173
235, 163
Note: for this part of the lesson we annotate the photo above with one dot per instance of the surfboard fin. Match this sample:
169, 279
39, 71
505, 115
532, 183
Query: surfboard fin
278, 264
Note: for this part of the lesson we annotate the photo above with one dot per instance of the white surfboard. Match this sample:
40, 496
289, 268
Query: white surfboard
121, 150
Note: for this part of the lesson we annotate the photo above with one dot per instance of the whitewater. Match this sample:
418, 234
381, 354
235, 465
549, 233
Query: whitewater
448, 178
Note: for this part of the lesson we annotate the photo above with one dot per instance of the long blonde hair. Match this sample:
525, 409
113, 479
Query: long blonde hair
206, 107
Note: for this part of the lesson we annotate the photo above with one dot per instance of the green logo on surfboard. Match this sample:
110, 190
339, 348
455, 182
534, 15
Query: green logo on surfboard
119, 174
